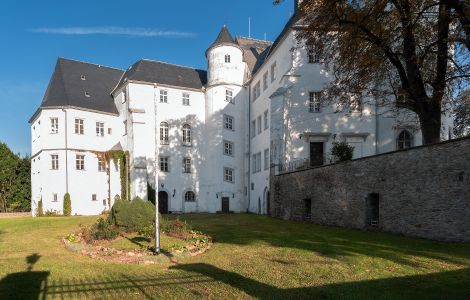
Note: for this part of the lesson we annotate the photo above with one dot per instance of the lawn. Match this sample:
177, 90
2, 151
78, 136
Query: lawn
252, 256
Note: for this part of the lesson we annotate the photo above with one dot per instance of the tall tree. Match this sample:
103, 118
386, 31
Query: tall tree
8, 166
462, 115
413, 54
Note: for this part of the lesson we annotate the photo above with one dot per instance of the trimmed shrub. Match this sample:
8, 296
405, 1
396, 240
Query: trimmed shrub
133, 215
103, 230
67, 205
342, 151
40, 212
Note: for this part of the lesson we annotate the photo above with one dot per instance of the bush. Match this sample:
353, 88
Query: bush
67, 205
342, 151
40, 209
133, 215
103, 230
51, 213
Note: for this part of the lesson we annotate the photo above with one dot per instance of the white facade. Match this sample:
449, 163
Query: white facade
240, 122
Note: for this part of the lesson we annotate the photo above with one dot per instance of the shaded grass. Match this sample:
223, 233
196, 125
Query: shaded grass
253, 256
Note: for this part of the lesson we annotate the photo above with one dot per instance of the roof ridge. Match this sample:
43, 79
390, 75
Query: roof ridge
171, 64
253, 39
89, 63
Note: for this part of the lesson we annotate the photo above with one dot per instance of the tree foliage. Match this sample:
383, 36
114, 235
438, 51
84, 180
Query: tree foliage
342, 151
462, 115
67, 205
411, 54
15, 181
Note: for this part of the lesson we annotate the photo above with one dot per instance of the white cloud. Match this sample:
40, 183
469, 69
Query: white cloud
112, 30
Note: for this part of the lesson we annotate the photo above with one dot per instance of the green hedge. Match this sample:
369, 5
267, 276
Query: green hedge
40, 212
132, 215
67, 205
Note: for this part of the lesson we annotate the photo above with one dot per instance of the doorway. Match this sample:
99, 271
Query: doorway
225, 204
162, 202
316, 154
307, 210
372, 210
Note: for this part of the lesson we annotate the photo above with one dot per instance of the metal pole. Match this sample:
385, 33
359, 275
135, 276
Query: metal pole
157, 215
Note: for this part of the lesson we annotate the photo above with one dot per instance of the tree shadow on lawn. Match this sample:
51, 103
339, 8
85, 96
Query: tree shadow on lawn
448, 285
332, 242
186, 280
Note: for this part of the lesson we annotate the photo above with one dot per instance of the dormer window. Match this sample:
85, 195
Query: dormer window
83, 77
87, 94
227, 58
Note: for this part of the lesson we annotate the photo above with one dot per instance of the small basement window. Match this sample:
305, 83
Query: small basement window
372, 210
307, 210
83, 77
87, 94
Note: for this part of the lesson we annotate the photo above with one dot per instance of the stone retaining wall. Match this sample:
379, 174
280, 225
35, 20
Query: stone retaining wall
422, 192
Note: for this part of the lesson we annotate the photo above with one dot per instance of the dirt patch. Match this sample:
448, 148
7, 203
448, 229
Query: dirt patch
15, 215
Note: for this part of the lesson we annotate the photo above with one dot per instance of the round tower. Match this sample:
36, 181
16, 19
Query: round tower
225, 59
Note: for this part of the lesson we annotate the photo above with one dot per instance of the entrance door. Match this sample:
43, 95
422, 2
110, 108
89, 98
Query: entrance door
163, 202
316, 154
225, 205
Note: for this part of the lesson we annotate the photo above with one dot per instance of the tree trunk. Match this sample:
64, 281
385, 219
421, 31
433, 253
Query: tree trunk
430, 122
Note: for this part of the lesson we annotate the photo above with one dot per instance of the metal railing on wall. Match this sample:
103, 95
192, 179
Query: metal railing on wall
302, 164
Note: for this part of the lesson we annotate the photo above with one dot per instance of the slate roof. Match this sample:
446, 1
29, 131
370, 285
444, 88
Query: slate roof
255, 52
81, 84
163, 73
223, 38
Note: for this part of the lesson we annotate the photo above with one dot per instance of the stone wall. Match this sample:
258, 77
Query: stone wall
423, 192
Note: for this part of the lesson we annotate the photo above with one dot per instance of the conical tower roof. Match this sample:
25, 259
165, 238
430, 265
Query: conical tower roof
224, 38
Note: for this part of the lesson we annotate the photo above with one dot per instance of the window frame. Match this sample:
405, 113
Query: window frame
259, 124
266, 159
186, 137
54, 125
54, 161
404, 140
164, 133
266, 120
227, 59
100, 129
228, 151
253, 128
79, 126
229, 120
229, 96
189, 199
312, 56
273, 71
101, 164
186, 98
229, 175
187, 165
80, 162
314, 101
165, 162
163, 96
265, 80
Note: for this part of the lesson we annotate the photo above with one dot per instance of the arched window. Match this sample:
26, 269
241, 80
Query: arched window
227, 58
404, 140
189, 196
164, 133
186, 134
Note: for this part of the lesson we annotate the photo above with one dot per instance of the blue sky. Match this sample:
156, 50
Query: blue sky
112, 33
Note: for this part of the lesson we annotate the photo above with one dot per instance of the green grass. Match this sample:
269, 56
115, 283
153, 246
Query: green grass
252, 256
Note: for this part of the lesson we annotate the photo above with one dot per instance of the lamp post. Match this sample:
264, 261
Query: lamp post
157, 215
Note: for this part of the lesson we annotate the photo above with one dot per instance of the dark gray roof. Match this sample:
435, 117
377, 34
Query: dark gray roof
223, 38
164, 73
254, 52
83, 85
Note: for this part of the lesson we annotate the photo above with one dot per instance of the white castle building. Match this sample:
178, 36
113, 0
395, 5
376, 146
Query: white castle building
213, 136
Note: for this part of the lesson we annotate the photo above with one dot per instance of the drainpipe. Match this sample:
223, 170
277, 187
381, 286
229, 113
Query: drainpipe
157, 215
376, 128
66, 155
249, 148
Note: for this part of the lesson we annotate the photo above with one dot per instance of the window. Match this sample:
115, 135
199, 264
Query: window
55, 198
79, 126
54, 125
189, 196
55, 162
404, 140
355, 106
266, 121
273, 72
101, 165
227, 58
228, 148
265, 81
124, 96
186, 165
110, 131
229, 96
253, 128
80, 162
93, 197
259, 124
186, 134
164, 164
312, 56
228, 122
266, 159
229, 175
185, 99
125, 127
82, 77
258, 162
314, 102
164, 96
164, 128
99, 129
253, 163
256, 91
87, 94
